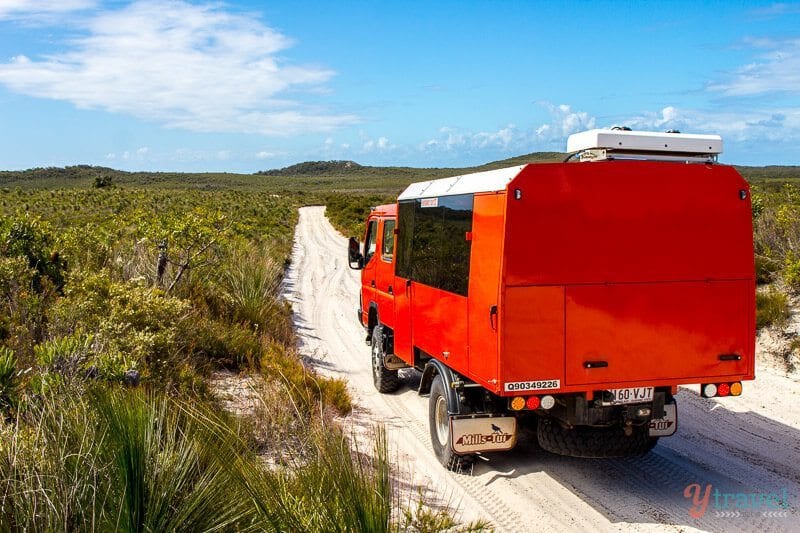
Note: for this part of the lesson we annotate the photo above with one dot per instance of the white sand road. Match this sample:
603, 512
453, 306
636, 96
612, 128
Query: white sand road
748, 445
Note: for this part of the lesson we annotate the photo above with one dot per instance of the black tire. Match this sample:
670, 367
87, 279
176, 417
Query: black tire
598, 442
385, 380
439, 421
527, 432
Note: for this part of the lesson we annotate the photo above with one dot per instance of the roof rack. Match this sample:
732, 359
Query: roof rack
619, 143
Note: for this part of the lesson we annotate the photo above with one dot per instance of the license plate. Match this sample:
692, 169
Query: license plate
631, 395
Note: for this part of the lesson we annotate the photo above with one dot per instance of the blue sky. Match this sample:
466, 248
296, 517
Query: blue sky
242, 86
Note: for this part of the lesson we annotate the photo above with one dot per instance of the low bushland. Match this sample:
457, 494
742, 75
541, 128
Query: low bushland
115, 306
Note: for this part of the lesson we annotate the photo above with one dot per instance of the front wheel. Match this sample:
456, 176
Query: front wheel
439, 419
385, 380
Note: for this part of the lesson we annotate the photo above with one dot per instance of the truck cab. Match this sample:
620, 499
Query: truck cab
377, 268
574, 296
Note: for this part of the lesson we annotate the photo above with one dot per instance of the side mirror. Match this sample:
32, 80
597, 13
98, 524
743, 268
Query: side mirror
354, 258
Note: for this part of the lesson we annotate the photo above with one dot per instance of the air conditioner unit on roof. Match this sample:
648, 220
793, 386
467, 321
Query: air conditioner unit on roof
626, 144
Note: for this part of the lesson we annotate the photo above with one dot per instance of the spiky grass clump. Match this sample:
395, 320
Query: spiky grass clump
113, 459
117, 460
251, 287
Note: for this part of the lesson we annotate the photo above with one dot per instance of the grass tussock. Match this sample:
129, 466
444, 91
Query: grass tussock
772, 308
114, 459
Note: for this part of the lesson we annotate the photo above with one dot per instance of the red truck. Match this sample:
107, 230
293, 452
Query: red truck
574, 297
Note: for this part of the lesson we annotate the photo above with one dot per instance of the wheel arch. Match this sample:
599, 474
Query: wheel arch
372, 316
434, 368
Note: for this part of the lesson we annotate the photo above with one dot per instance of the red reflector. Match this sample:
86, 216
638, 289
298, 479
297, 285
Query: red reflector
532, 403
724, 389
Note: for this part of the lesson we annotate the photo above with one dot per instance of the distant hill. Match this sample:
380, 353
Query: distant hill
314, 167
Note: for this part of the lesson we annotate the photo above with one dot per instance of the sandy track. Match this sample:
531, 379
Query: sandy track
749, 444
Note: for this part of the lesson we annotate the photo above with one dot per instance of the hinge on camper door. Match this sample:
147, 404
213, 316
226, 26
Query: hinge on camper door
493, 317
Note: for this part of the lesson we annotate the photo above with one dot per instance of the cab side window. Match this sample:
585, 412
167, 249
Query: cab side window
387, 248
371, 242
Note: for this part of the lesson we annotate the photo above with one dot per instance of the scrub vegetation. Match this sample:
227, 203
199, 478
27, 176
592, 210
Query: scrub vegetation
776, 224
121, 292
116, 305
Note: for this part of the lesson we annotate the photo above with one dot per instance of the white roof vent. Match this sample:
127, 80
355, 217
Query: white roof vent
618, 143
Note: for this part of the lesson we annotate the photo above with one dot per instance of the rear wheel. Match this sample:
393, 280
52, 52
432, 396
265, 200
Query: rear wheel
439, 419
385, 380
588, 441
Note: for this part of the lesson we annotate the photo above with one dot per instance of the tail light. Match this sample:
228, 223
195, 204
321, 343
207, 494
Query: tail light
709, 390
518, 403
736, 389
532, 403
548, 402
723, 389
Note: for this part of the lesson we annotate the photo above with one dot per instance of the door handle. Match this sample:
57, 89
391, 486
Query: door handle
372, 282
389, 290
493, 317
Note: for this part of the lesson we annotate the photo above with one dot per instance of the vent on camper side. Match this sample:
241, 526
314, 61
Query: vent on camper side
618, 143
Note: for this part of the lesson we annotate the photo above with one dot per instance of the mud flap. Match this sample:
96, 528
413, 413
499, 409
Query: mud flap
482, 433
665, 427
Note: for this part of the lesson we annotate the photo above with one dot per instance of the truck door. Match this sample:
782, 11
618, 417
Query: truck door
368, 274
402, 282
384, 273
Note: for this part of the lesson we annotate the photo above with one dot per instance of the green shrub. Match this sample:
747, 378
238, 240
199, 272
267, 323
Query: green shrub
133, 327
29, 237
250, 287
791, 272
335, 489
348, 212
772, 308
221, 343
766, 269
307, 390
22, 309
101, 182
8, 379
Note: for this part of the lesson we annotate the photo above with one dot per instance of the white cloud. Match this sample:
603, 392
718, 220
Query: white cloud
141, 152
195, 67
507, 138
34, 9
264, 155
514, 140
773, 125
564, 122
379, 144
776, 70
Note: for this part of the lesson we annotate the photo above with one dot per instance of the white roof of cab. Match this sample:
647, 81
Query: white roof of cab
489, 181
